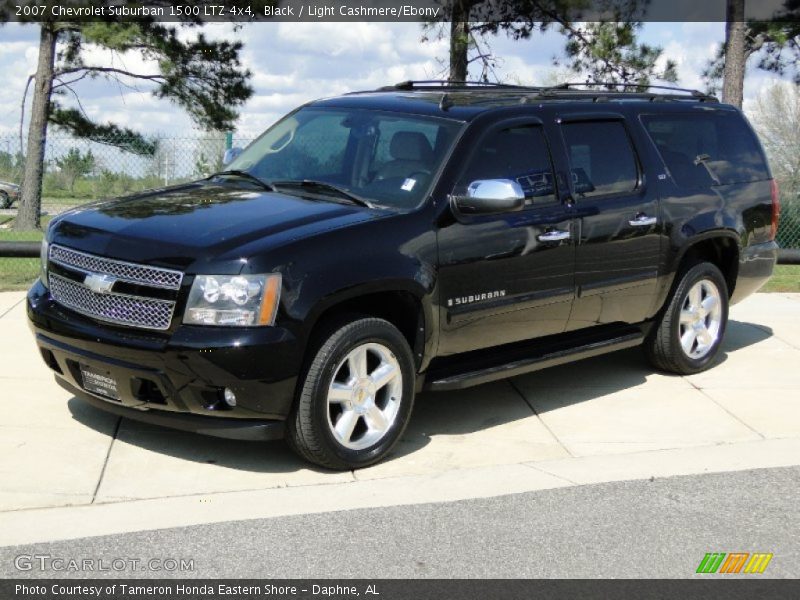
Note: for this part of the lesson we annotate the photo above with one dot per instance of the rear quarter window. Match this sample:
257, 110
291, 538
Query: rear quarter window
713, 148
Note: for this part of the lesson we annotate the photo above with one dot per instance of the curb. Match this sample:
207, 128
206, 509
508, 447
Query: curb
30, 526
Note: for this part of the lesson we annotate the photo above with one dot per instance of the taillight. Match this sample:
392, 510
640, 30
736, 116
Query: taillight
776, 209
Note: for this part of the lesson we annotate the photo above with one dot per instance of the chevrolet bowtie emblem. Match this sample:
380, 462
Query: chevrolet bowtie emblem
99, 284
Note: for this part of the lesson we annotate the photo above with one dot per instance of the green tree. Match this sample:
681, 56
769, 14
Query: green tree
74, 164
10, 165
605, 51
205, 78
773, 46
609, 52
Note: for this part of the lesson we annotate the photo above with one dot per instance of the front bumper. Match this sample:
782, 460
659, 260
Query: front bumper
174, 379
756, 263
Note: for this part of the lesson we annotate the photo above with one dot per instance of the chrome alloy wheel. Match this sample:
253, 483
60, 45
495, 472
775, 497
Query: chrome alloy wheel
364, 396
700, 319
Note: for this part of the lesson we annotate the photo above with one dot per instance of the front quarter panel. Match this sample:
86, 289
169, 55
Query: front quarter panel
396, 253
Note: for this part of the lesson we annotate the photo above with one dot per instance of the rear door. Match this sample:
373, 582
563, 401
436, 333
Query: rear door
618, 222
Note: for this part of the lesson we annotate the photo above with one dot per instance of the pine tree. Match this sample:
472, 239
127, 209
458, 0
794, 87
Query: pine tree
203, 77
774, 46
605, 51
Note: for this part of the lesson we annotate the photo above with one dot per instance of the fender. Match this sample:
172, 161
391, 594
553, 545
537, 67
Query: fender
403, 259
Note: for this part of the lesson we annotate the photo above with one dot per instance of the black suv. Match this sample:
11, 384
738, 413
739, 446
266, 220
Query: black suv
425, 236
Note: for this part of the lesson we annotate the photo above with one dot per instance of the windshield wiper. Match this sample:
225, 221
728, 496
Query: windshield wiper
245, 175
312, 184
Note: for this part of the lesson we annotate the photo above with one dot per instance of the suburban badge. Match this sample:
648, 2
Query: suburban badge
471, 299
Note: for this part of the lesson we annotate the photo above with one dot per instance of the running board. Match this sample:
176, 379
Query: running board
535, 362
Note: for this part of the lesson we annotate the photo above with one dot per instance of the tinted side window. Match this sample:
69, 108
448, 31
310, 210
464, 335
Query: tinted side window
701, 150
601, 158
517, 153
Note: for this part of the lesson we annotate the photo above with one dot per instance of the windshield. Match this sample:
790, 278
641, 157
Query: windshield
387, 158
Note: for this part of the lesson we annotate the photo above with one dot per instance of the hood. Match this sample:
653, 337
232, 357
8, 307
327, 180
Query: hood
198, 223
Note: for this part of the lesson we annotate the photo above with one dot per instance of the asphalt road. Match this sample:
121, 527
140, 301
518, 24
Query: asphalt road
658, 528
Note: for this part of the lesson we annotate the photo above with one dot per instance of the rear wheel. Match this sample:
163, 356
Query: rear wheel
689, 334
356, 398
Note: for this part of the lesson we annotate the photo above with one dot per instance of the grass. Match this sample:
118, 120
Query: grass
785, 278
18, 273
62, 204
9, 235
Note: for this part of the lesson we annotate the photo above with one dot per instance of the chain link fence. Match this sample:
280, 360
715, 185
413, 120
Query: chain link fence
789, 228
79, 171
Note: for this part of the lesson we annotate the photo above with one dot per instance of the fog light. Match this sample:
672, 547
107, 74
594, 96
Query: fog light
229, 396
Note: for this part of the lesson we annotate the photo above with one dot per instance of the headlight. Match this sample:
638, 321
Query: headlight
233, 300
43, 260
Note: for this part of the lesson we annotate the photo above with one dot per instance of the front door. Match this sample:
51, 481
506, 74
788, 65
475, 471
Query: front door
617, 221
507, 277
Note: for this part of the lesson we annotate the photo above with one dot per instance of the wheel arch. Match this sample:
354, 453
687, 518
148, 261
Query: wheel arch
721, 248
401, 305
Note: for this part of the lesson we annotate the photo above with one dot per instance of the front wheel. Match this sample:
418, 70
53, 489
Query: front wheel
356, 398
5, 201
689, 334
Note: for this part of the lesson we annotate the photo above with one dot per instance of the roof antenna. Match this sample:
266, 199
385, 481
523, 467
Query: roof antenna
445, 103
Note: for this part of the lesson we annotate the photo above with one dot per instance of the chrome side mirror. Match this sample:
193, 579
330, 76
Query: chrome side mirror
231, 154
488, 196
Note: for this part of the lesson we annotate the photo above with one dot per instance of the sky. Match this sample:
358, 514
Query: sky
296, 62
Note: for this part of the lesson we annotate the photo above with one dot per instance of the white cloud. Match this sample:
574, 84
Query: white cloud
296, 62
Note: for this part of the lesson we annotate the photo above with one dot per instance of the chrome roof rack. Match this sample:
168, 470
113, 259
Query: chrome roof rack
594, 91
444, 85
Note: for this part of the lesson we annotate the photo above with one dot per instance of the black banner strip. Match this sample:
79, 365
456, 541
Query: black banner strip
713, 588
487, 11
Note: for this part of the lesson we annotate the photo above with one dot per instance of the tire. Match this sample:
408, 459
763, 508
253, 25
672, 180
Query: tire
362, 368
688, 336
5, 201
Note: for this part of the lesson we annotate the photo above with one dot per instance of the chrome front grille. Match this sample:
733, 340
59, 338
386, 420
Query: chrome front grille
123, 271
136, 311
105, 304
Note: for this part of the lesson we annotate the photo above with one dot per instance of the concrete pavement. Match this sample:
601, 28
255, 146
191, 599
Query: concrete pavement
68, 470
645, 528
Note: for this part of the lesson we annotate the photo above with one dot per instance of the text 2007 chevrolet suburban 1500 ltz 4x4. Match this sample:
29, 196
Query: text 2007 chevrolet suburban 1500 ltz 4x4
424, 236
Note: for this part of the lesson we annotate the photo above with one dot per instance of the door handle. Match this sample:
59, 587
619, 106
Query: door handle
642, 220
556, 235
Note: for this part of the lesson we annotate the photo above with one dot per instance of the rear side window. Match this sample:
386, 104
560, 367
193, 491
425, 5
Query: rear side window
713, 148
601, 158
517, 153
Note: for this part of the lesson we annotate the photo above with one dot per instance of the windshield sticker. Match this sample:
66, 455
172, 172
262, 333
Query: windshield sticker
408, 185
